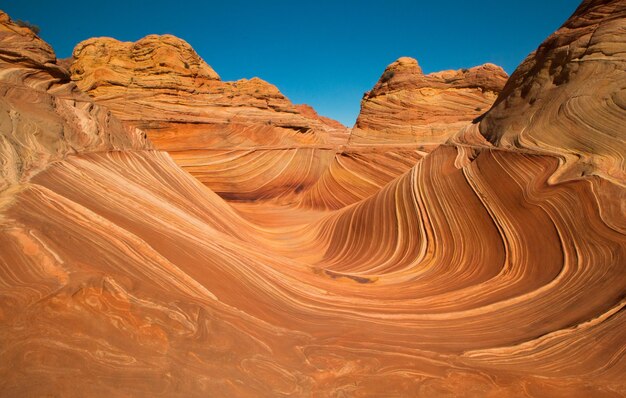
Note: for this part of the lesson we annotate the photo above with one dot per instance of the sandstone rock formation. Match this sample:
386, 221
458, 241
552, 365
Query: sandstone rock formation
405, 116
45, 117
478, 272
568, 97
160, 85
237, 137
408, 107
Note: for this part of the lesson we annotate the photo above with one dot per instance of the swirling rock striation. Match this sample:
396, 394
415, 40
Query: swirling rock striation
568, 97
477, 272
44, 117
406, 115
210, 127
408, 107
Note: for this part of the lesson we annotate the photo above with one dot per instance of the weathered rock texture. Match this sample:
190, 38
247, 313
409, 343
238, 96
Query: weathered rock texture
405, 116
44, 116
472, 274
569, 96
408, 107
246, 141
160, 85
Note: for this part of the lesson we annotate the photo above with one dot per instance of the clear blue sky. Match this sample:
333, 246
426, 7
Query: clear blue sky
325, 53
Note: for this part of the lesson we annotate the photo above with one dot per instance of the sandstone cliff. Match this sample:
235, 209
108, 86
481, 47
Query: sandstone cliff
568, 97
473, 273
44, 117
408, 107
405, 116
218, 131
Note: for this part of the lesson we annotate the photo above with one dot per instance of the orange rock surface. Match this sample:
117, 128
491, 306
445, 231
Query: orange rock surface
405, 116
44, 116
210, 127
480, 271
568, 97
246, 141
408, 107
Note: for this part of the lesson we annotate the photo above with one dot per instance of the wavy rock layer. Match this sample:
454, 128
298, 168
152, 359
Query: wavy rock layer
471, 274
43, 116
334, 311
356, 173
408, 107
569, 96
160, 85
406, 115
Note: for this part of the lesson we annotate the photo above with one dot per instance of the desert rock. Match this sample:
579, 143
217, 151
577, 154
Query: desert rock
568, 97
160, 85
408, 107
474, 272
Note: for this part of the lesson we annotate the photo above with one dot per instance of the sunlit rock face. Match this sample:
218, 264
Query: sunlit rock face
43, 116
162, 86
569, 96
238, 137
224, 133
408, 107
479, 271
405, 116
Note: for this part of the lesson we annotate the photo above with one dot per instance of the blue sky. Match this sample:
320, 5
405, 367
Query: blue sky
324, 53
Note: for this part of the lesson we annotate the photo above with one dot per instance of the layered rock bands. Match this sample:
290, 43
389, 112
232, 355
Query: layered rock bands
435, 249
